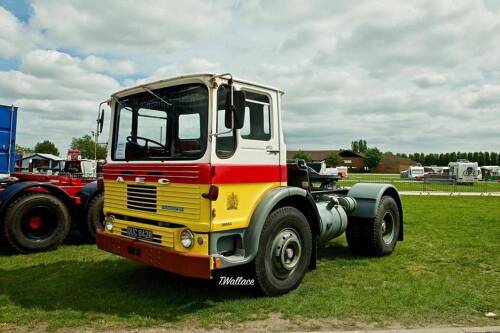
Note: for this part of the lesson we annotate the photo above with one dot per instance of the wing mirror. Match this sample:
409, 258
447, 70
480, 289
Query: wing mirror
234, 117
100, 121
100, 117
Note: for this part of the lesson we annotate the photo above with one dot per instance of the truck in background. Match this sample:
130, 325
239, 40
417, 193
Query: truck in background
38, 210
76, 166
8, 124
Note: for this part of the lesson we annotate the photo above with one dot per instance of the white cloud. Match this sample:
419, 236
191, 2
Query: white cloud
15, 38
107, 26
175, 69
406, 76
486, 97
431, 79
57, 95
102, 65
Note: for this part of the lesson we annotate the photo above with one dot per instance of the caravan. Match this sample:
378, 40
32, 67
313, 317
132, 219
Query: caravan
464, 172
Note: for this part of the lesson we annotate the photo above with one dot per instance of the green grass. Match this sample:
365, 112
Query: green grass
447, 271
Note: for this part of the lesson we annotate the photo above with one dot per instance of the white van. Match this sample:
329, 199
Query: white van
413, 172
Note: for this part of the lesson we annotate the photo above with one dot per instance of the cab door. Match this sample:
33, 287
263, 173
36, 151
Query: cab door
246, 162
258, 139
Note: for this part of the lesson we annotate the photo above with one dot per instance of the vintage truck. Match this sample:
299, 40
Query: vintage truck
197, 181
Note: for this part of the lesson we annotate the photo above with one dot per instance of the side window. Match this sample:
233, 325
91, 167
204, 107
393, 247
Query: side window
257, 125
124, 130
245, 130
189, 126
225, 143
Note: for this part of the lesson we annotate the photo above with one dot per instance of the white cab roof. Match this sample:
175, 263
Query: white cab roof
154, 84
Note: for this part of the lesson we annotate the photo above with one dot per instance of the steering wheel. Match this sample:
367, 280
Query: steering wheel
146, 142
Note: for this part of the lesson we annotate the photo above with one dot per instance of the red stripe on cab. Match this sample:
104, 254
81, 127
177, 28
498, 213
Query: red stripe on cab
237, 173
196, 173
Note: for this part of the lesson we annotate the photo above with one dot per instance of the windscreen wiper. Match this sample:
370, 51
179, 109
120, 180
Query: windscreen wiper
155, 95
123, 106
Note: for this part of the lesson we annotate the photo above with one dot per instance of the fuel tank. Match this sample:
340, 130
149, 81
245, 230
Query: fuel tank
333, 212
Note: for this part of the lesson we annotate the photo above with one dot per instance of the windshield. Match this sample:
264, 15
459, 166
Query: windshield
167, 123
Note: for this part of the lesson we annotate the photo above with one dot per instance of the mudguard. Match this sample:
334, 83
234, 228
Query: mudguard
262, 211
87, 193
368, 197
251, 235
14, 190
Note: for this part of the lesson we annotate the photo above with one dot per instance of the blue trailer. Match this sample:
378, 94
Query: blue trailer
8, 123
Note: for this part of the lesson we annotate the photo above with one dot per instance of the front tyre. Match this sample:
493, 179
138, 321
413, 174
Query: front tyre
284, 253
36, 222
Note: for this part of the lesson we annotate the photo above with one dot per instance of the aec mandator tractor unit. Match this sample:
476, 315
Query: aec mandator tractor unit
197, 181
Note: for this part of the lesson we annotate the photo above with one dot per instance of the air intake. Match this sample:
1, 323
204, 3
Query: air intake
141, 197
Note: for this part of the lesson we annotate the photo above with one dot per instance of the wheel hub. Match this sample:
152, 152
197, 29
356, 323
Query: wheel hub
289, 253
287, 250
35, 222
387, 227
39, 223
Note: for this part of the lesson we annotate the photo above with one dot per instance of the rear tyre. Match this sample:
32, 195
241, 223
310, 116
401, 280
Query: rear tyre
284, 253
94, 218
36, 222
353, 235
378, 236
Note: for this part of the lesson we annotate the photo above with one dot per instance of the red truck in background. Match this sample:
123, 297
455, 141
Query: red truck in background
37, 211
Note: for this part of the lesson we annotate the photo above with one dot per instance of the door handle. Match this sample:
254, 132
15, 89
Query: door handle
270, 150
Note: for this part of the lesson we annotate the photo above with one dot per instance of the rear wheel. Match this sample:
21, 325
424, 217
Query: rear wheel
378, 236
284, 252
94, 218
36, 222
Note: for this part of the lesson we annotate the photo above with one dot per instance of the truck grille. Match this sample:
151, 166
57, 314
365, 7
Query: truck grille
141, 197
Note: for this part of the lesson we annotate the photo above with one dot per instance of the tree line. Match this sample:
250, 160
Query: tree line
84, 144
442, 159
373, 156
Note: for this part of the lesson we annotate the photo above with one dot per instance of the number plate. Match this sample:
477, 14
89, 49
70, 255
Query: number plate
139, 233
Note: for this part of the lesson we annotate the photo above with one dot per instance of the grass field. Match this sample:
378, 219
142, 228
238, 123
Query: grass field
420, 186
447, 271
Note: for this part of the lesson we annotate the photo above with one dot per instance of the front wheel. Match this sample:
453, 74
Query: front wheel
284, 252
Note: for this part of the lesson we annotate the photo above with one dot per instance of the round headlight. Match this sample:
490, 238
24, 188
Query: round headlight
108, 222
187, 238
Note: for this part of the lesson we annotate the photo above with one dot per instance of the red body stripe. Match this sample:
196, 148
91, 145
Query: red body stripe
284, 174
234, 174
202, 173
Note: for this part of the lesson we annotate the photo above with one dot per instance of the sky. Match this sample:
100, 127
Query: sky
407, 76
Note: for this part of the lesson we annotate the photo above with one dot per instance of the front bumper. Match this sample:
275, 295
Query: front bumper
192, 265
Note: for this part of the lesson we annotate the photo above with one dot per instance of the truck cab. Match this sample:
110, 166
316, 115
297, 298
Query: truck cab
75, 166
197, 180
